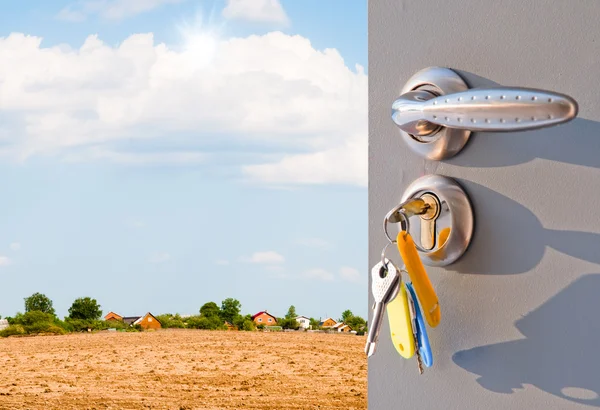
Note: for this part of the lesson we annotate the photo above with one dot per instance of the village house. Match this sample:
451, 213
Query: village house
113, 316
328, 323
345, 328
3, 324
264, 318
303, 321
148, 321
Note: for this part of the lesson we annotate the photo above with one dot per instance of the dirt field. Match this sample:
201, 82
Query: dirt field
185, 369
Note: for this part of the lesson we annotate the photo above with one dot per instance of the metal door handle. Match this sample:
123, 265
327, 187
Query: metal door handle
439, 99
493, 109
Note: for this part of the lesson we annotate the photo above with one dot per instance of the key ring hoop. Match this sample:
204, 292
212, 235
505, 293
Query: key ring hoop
404, 224
383, 262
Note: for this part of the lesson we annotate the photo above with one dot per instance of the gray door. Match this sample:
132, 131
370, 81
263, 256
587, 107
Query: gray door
520, 323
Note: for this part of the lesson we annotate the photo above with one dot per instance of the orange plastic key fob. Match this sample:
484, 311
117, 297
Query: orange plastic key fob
420, 281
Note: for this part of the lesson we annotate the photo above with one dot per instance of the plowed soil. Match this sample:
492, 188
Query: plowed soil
184, 369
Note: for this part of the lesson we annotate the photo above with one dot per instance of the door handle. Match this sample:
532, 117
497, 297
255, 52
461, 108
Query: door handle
437, 111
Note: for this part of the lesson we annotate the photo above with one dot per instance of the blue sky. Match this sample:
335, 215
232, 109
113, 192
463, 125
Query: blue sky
189, 152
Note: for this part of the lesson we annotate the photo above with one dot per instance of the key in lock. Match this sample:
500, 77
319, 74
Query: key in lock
427, 207
428, 220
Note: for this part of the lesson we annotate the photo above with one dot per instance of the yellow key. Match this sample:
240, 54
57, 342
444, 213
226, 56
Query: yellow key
400, 325
420, 280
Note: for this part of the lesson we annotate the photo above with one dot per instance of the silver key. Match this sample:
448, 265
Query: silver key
385, 282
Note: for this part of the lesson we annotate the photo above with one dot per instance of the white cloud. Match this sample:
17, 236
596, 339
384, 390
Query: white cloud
160, 257
350, 274
15, 246
319, 274
5, 260
222, 262
315, 243
109, 9
146, 103
268, 257
264, 11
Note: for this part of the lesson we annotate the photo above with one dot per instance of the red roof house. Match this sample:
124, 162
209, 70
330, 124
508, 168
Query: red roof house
264, 318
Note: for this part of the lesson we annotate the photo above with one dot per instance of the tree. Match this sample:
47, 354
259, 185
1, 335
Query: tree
291, 313
288, 323
85, 308
356, 322
346, 314
39, 302
230, 309
205, 322
314, 323
210, 309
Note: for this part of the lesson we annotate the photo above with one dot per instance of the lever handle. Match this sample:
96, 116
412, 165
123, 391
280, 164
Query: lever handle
437, 111
500, 109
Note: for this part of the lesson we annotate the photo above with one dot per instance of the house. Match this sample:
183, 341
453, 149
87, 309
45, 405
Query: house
3, 324
148, 321
113, 316
328, 323
304, 321
338, 325
230, 326
130, 319
264, 318
344, 328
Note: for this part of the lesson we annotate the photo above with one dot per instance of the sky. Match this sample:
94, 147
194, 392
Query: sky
159, 154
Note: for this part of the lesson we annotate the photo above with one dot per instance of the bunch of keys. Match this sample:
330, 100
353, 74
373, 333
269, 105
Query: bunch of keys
400, 299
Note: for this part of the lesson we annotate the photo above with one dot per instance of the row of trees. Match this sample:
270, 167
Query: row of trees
85, 313
40, 317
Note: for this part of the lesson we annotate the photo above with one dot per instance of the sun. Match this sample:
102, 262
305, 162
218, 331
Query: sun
200, 40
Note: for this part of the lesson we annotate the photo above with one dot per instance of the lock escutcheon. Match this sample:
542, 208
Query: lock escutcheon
445, 216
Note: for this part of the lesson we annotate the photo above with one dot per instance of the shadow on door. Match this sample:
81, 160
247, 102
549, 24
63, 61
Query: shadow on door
558, 356
510, 239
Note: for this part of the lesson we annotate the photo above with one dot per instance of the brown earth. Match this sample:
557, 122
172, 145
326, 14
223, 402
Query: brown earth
184, 369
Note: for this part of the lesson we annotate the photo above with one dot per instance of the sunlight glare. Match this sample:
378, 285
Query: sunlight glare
200, 41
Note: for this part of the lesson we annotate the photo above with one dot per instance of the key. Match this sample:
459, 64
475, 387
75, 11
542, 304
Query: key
423, 347
420, 280
415, 331
385, 280
401, 330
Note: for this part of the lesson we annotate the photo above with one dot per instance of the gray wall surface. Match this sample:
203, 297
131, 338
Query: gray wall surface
520, 322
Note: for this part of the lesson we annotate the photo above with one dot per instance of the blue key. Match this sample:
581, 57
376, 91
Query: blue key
422, 339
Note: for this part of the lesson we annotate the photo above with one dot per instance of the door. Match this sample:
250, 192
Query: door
520, 323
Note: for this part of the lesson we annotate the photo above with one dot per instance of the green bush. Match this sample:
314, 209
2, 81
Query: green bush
169, 321
115, 324
44, 327
248, 325
206, 323
33, 317
12, 330
290, 323
57, 330
82, 325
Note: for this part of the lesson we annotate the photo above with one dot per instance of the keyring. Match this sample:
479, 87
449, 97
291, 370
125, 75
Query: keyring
404, 224
403, 220
383, 263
